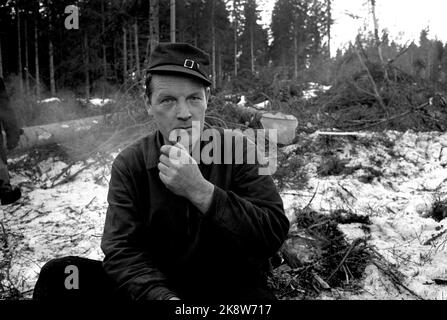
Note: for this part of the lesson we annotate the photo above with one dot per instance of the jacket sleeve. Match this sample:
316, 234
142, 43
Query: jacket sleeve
125, 261
250, 215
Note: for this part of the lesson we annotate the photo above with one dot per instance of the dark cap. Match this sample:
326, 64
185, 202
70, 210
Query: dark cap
180, 58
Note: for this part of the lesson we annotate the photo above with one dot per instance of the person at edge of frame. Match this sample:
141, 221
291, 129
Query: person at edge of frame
8, 123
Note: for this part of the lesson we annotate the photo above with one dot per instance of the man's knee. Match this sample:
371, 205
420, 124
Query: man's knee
60, 277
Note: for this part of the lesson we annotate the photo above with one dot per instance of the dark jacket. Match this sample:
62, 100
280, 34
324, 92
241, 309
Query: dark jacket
8, 119
158, 245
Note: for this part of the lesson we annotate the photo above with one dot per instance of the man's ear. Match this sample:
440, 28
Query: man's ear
147, 104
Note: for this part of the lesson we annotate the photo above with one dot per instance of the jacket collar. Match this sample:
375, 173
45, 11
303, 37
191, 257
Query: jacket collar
155, 142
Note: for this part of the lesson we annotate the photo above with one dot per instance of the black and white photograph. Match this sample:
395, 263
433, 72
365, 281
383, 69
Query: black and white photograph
226, 154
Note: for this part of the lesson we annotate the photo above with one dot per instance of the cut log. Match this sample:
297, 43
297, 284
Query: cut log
58, 132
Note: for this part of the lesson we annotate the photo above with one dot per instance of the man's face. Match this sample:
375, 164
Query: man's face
176, 102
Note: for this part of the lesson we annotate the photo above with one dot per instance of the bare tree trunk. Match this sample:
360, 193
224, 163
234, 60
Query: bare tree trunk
26, 57
124, 53
86, 67
104, 56
154, 33
137, 50
131, 53
36, 59
252, 55
219, 69
235, 14
329, 21
378, 42
173, 20
213, 41
295, 54
19, 48
1, 59
115, 55
52, 82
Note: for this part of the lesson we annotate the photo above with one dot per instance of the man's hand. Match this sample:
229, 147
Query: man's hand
180, 173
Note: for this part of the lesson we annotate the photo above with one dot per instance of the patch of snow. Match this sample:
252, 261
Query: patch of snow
97, 102
314, 89
242, 102
262, 105
49, 100
397, 204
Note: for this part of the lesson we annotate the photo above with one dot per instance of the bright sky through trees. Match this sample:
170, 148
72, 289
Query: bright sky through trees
403, 18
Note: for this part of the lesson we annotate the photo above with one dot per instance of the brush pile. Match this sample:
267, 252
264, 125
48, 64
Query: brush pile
370, 99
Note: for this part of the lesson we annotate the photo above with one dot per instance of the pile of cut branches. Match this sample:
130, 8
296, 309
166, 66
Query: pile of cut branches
317, 257
369, 100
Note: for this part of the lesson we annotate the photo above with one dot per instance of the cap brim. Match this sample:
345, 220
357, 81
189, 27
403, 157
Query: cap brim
181, 70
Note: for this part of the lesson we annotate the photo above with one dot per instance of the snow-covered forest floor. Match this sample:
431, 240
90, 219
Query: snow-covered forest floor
393, 178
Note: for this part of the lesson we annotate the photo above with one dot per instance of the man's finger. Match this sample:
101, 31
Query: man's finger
163, 178
181, 146
165, 149
172, 152
165, 160
163, 168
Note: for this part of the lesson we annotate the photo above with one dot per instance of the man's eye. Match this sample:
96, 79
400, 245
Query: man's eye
167, 100
196, 98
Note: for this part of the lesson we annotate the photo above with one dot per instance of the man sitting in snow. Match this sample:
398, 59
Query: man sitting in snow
177, 229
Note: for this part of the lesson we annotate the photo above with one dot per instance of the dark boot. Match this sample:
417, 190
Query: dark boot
10, 195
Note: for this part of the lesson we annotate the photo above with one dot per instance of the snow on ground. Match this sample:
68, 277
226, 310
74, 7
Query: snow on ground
414, 172
50, 100
68, 219
51, 222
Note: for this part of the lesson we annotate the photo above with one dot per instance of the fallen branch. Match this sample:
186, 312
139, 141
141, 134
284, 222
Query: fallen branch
397, 116
312, 199
354, 244
373, 83
394, 278
434, 238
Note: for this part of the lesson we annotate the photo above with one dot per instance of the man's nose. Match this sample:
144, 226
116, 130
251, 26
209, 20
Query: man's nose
183, 112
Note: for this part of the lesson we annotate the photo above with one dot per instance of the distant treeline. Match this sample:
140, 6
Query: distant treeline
115, 37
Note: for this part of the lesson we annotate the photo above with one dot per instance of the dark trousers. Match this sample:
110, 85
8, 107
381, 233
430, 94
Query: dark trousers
74, 278
57, 281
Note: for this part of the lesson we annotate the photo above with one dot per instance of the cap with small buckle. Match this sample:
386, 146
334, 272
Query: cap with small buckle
180, 58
